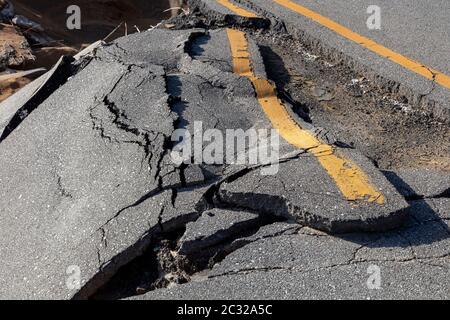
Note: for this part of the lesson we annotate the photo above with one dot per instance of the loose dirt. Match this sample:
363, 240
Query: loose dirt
98, 19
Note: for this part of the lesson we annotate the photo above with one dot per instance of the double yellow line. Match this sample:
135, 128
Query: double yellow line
408, 63
348, 176
369, 44
351, 180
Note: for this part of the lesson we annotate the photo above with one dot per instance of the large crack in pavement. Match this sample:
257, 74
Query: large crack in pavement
290, 252
200, 247
108, 266
421, 101
18, 107
183, 254
51, 81
92, 181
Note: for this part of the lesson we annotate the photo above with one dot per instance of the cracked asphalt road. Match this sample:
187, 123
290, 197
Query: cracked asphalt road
87, 180
411, 58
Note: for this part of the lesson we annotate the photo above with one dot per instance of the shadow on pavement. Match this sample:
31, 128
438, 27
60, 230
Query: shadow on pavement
423, 225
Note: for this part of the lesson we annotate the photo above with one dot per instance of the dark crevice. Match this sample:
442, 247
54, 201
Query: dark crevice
277, 72
147, 272
207, 257
210, 198
112, 271
62, 190
59, 77
182, 169
142, 199
444, 194
162, 264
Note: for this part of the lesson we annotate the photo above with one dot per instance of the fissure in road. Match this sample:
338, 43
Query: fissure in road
349, 177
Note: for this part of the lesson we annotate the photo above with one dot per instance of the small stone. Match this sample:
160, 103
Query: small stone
322, 94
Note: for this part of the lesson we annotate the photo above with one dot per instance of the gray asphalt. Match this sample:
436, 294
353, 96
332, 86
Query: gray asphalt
287, 261
213, 227
301, 184
421, 182
416, 29
414, 280
79, 169
86, 180
12, 107
303, 190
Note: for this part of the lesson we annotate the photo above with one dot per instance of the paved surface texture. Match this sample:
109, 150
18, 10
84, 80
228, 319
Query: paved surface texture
292, 262
88, 182
424, 41
73, 179
223, 12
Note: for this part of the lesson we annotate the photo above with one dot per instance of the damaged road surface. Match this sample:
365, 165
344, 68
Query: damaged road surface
93, 206
369, 37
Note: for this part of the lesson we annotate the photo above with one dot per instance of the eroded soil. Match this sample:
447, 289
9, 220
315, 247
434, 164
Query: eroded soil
381, 124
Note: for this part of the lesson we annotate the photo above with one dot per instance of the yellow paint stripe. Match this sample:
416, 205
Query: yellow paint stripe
350, 179
240, 11
369, 44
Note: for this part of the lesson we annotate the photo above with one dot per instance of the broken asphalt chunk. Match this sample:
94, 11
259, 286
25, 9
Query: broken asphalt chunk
228, 13
215, 226
302, 190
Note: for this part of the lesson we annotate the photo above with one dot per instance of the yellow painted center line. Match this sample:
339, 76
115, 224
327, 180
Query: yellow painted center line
236, 9
348, 176
369, 44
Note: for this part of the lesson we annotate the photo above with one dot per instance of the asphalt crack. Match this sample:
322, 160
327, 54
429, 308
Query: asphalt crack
59, 77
